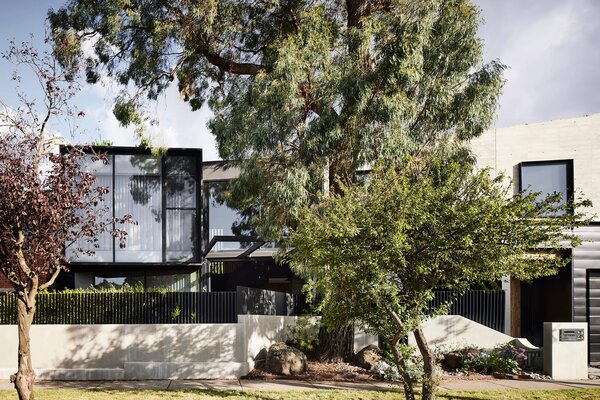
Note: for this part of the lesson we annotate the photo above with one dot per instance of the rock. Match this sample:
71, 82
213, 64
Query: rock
453, 360
260, 359
502, 375
368, 357
285, 360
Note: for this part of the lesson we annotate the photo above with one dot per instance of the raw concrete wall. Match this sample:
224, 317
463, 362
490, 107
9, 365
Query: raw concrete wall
166, 351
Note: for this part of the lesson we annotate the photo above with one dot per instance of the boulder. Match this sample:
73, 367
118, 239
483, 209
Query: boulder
260, 359
368, 357
285, 360
453, 360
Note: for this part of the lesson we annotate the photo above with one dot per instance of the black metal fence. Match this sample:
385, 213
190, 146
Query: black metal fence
126, 308
482, 306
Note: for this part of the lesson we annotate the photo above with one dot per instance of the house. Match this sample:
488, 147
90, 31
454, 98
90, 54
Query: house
184, 238
555, 156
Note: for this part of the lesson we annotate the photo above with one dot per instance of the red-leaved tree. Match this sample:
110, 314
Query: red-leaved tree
47, 201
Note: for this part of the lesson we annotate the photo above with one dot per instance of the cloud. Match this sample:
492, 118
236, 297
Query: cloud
552, 50
178, 125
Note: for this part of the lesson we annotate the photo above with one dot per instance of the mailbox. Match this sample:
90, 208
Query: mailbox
566, 350
570, 335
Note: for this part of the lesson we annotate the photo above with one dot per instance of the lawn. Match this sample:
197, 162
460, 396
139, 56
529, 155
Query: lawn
60, 394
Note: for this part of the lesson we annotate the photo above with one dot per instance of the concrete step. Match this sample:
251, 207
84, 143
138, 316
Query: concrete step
185, 370
71, 374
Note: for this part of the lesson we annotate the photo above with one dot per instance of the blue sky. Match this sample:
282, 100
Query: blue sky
551, 46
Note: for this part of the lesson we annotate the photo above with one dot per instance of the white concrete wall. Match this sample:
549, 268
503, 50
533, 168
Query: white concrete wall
454, 331
165, 351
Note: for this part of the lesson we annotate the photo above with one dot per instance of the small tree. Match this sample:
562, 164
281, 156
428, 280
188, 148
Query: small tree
48, 202
378, 252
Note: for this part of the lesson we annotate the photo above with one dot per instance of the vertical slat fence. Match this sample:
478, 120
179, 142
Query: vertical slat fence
126, 308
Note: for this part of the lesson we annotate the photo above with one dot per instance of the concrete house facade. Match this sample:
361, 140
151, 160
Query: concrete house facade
562, 156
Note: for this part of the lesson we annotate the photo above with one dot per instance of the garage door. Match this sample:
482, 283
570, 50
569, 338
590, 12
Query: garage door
594, 314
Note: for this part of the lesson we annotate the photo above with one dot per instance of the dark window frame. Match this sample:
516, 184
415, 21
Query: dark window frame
570, 176
112, 151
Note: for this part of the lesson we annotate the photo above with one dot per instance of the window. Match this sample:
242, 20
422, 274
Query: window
138, 192
172, 282
103, 247
225, 221
548, 177
180, 186
161, 195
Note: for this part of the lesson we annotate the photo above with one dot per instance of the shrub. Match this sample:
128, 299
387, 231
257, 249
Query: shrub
386, 371
504, 359
304, 334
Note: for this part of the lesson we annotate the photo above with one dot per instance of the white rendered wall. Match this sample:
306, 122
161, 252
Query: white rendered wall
564, 359
160, 351
454, 331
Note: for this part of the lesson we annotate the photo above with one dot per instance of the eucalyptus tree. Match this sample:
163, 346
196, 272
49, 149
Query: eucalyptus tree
298, 87
304, 92
378, 251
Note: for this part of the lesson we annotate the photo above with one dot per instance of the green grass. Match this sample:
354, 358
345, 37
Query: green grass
101, 394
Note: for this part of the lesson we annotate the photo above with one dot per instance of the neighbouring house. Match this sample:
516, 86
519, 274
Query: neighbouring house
554, 156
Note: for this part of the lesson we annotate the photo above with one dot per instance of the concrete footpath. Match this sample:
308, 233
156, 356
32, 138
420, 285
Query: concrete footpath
287, 385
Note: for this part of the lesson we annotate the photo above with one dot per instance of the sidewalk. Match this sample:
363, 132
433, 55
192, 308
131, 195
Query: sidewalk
288, 385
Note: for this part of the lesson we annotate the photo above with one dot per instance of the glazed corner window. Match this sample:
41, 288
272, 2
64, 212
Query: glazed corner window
547, 178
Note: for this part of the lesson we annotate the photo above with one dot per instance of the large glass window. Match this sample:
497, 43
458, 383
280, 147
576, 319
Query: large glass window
102, 248
180, 186
161, 196
225, 221
111, 281
139, 281
138, 192
547, 178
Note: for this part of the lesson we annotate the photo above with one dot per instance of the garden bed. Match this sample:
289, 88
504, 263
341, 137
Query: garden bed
320, 371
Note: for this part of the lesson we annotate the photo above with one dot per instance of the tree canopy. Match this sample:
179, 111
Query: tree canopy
304, 92
377, 251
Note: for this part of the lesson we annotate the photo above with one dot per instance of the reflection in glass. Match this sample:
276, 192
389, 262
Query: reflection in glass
138, 192
225, 221
180, 186
103, 247
547, 179
119, 282
172, 282
180, 234
181, 191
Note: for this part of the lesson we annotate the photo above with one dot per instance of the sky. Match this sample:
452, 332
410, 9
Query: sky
551, 48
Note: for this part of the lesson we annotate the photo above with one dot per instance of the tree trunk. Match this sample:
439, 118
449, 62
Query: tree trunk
409, 393
336, 344
25, 375
429, 380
